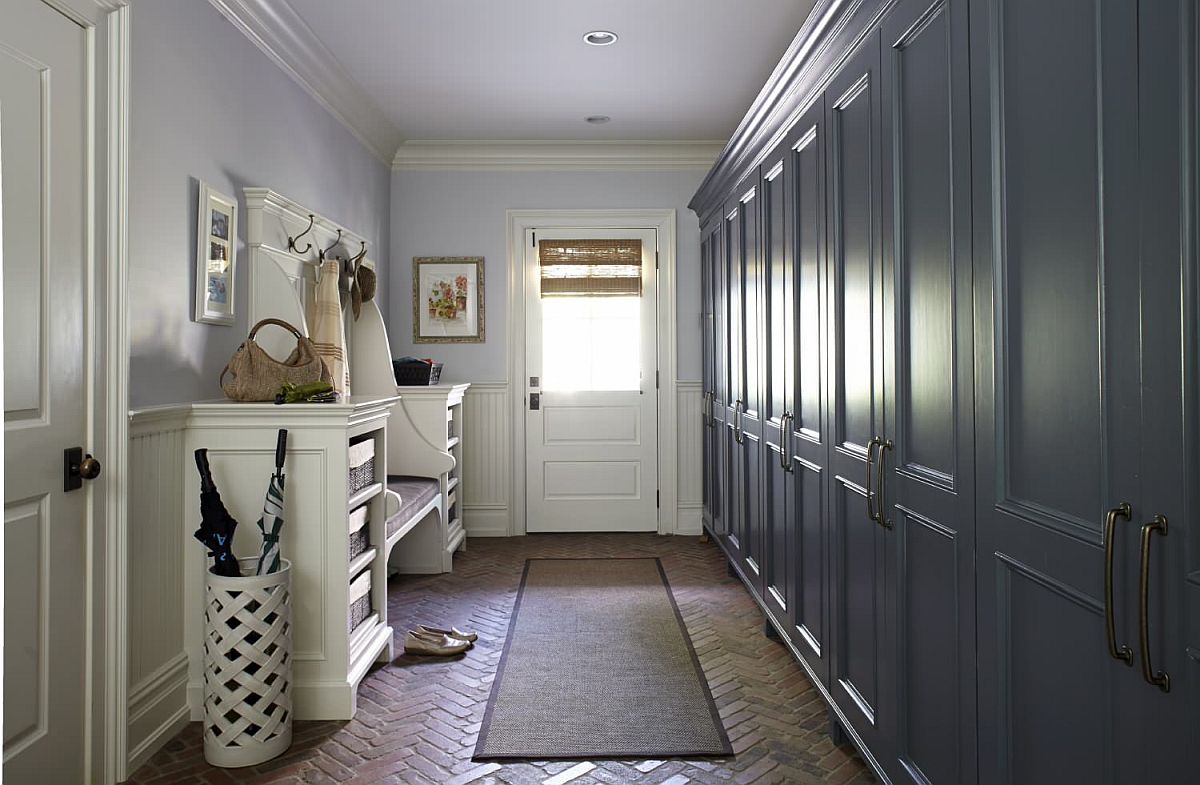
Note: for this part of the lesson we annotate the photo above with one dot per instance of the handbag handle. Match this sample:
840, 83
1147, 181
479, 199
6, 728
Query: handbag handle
278, 322
254, 331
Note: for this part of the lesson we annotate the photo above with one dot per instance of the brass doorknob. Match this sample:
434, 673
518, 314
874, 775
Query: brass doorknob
89, 468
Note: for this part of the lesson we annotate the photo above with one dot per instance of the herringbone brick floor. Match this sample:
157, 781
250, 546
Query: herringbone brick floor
418, 717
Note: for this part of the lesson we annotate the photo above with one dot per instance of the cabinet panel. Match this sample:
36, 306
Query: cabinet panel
859, 620
855, 187
1059, 415
929, 402
808, 449
778, 374
859, 677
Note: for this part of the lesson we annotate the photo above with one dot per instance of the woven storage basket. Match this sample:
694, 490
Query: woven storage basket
360, 533
360, 600
362, 465
247, 666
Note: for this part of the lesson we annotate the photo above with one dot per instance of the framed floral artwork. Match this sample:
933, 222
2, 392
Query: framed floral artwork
448, 299
216, 252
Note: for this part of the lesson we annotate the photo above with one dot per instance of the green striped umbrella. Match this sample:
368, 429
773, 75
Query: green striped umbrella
272, 518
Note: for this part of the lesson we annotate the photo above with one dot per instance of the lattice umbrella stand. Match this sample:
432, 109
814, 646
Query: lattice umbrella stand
247, 666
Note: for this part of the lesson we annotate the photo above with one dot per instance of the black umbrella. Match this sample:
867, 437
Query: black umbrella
216, 524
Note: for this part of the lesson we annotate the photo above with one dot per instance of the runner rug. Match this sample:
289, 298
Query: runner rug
598, 664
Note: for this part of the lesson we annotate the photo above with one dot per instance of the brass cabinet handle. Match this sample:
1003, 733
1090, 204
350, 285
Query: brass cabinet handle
1159, 679
881, 490
871, 512
738, 435
1120, 652
706, 412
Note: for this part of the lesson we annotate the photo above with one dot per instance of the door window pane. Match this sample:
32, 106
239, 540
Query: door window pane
591, 343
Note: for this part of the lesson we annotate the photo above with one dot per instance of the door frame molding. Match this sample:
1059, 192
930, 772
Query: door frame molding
106, 25
661, 219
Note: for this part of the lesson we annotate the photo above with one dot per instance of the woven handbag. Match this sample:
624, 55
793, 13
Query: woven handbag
257, 376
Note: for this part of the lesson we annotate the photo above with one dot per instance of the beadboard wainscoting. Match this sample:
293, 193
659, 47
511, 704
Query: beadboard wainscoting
487, 452
487, 478
689, 401
157, 665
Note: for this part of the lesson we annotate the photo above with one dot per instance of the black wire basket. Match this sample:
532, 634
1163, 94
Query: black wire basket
415, 373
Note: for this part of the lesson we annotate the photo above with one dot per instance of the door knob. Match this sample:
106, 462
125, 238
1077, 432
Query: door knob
78, 467
89, 468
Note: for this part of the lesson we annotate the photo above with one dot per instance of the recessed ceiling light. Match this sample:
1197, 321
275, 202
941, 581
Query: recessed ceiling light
598, 119
600, 38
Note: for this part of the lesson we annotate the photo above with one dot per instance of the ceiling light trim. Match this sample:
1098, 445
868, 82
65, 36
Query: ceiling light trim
558, 155
275, 28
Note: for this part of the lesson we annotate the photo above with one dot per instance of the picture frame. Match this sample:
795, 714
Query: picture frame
216, 257
448, 299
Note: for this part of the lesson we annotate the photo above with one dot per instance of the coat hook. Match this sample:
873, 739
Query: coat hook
354, 262
334, 244
312, 219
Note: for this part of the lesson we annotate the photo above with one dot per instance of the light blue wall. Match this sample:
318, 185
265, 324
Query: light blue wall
207, 104
463, 214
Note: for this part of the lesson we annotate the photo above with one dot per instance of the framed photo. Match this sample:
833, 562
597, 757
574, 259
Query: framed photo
448, 299
216, 256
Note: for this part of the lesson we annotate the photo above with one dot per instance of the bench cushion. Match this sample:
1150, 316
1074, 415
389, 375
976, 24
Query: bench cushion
415, 493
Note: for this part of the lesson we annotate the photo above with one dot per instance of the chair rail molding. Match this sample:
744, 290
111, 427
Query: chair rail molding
555, 155
275, 28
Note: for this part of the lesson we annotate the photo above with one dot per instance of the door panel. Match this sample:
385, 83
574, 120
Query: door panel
44, 144
855, 328
1059, 410
778, 374
718, 433
808, 447
929, 478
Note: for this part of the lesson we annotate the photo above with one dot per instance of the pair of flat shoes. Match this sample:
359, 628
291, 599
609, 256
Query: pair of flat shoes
438, 642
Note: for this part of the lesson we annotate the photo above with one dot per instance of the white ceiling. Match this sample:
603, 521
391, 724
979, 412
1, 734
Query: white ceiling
489, 69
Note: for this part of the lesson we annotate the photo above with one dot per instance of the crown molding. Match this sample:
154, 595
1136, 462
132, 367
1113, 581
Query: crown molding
557, 155
275, 28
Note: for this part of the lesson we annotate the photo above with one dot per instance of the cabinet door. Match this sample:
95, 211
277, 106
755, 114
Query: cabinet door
718, 431
1055, 200
807, 447
928, 494
856, 408
778, 377
735, 460
1169, 87
745, 293
706, 375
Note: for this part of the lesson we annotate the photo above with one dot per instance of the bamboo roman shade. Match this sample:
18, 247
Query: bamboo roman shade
591, 268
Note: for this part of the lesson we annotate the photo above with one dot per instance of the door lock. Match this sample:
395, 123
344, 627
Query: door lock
78, 467
535, 401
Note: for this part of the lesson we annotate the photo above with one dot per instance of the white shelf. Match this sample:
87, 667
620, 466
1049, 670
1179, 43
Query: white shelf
365, 495
362, 561
451, 484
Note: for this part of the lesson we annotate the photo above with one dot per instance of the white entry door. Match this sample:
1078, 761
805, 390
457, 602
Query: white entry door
44, 156
591, 424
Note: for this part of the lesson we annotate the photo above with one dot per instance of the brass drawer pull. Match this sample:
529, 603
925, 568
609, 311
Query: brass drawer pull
1159, 679
1120, 652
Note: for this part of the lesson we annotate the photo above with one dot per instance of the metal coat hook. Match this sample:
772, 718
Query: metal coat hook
312, 219
334, 244
354, 262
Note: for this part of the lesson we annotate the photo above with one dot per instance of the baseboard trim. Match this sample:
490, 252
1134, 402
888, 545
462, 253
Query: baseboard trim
159, 700
690, 521
487, 520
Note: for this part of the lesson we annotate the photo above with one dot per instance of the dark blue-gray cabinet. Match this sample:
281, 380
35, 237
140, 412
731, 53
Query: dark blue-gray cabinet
952, 350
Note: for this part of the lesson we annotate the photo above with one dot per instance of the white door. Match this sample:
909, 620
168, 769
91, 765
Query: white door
591, 424
43, 186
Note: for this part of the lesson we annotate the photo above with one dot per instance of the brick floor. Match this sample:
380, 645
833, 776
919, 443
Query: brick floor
418, 717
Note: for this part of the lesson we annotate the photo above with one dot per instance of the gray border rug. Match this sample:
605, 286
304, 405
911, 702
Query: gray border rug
598, 665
